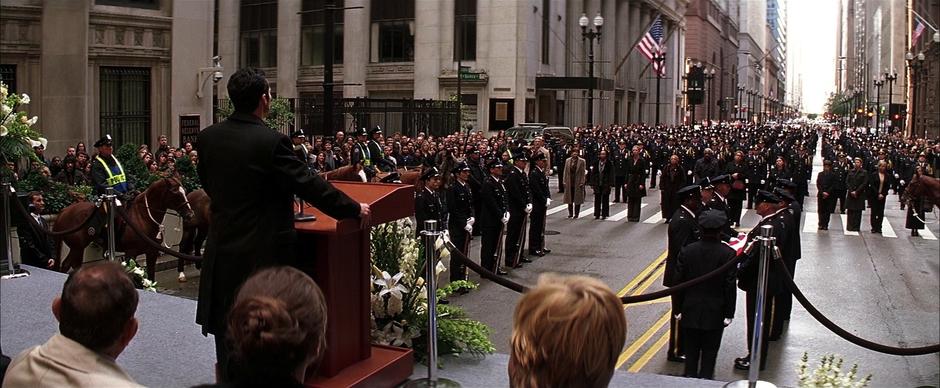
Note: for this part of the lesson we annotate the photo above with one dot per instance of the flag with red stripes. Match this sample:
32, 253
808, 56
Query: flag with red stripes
918, 29
651, 46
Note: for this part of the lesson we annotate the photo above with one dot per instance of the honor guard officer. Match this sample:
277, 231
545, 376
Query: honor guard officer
360, 154
106, 170
375, 151
707, 308
541, 199
520, 206
428, 202
300, 149
826, 188
683, 230
768, 207
461, 218
719, 201
494, 215
792, 252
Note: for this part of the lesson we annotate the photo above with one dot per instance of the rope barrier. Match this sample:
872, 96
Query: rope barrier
155, 244
897, 351
35, 225
483, 272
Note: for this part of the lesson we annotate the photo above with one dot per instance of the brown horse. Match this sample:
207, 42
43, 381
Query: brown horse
195, 229
923, 186
350, 173
146, 212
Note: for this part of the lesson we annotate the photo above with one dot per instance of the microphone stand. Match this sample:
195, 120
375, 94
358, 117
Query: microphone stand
300, 216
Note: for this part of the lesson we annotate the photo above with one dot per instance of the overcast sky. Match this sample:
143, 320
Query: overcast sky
811, 36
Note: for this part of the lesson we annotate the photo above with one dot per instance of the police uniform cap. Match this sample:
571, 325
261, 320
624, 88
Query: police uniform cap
723, 178
297, 134
430, 173
857, 159
362, 132
375, 129
784, 194
705, 184
536, 156
712, 219
766, 196
689, 192
495, 163
827, 162
462, 166
517, 155
103, 141
786, 183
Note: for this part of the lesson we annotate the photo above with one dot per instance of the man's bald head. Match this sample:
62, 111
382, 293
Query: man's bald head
96, 305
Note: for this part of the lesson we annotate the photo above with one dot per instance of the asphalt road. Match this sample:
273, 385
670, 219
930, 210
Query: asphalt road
883, 288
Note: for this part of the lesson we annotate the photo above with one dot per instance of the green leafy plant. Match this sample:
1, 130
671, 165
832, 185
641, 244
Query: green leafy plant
828, 374
56, 195
17, 135
399, 301
138, 276
281, 114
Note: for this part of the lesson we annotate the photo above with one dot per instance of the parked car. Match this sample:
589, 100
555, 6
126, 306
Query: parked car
529, 131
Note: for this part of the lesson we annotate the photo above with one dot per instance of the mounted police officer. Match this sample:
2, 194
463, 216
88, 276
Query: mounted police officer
107, 172
378, 157
360, 154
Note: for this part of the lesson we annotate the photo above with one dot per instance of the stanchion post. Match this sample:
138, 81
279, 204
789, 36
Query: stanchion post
763, 268
111, 197
7, 230
430, 236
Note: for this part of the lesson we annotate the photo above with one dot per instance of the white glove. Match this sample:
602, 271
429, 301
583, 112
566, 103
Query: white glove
505, 217
902, 182
528, 208
471, 221
679, 316
689, 173
659, 173
761, 181
727, 322
468, 227
896, 176
746, 181
548, 202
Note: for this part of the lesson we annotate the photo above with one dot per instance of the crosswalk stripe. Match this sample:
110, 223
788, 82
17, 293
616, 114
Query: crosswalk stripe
586, 210
845, 226
655, 219
744, 213
887, 230
556, 209
927, 234
621, 215
811, 222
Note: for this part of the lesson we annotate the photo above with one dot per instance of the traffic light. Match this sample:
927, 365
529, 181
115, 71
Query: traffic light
695, 85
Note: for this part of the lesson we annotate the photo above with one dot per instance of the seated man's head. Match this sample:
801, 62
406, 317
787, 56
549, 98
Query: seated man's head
97, 308
277, 325
567, 331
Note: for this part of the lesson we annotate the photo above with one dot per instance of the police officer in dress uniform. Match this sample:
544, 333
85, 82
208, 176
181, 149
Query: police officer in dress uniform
300, 149
737, 169
826, 188
768, 207
428, 202
683, 230
478, 174
360, 154
791, 252
520, 206
461, 218
721, 187
378, 157
494, 214
856, 184
541, 199
707, 308
637, 167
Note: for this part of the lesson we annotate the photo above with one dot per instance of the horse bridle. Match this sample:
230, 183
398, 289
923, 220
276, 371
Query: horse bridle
160, 226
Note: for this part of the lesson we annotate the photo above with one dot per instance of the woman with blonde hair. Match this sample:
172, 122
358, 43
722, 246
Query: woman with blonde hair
567, 332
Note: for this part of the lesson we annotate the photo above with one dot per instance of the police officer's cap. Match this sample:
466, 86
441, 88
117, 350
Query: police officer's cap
536, 156
786, 183
430, 173
462, 166
723, 178
691, 191
705, 184
784, 194
518, 155
712, 219
362, 132
495, 163
375, 129
103, 141
766, 196
298, 133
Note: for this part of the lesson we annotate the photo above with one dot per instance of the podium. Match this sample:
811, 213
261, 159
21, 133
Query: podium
337, 255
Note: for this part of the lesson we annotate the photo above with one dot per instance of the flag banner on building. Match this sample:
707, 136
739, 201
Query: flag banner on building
651, 46
918, 29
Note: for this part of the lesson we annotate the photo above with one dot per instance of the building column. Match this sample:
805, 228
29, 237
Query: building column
633, 69
355, 48
192, 44
288, 47
228, 42
429, 36
63, 62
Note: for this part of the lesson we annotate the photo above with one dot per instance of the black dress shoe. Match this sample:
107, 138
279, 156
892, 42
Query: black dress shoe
536, 253
501, 272
525, 260
742, 363
675, 358
546, 251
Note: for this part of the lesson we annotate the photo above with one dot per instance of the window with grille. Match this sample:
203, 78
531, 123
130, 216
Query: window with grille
150, 4
125, 104
258, 30
313, 27
393, 31
465, 30
8, 77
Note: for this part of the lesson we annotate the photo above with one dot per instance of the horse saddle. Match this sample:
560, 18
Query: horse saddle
392, 177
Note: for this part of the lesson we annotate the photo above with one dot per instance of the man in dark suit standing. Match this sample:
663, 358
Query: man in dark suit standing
460, 218
636, 167
36, 248
826, 187
707, 308
541, 198
683, 230
494, 214
601, 179
251, 173
879, 182
856, 184
520, 205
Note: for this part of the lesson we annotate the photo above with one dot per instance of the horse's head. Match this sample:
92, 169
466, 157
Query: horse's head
170, 193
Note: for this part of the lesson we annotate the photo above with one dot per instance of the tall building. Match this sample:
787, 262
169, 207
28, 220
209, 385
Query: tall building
923, 70
777, 49
752, 41
713, 41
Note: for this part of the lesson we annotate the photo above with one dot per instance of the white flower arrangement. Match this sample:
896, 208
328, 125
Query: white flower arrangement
138, 276
17, 133
828, 374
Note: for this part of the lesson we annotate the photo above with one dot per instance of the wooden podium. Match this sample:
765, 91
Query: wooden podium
341, 266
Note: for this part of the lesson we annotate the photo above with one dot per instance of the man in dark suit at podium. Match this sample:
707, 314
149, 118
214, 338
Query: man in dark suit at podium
251, 174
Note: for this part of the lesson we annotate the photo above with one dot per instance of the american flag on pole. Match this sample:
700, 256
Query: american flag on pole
651, 46
918, 29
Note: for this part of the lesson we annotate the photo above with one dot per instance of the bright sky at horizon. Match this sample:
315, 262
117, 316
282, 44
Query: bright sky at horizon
811, 36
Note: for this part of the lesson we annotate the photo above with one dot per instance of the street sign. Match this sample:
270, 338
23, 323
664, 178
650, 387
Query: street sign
470, 76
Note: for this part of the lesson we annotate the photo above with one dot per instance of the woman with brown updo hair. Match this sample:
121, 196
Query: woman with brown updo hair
276, 329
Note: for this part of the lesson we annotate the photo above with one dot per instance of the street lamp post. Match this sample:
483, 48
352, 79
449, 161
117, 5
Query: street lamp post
659, 58
737, 104
709, 76
878, 84
590, 35
891, 77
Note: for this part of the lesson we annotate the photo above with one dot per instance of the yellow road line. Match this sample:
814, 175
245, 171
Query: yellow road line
645, 358
649, 282
664, 299
632, 349
639, 277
